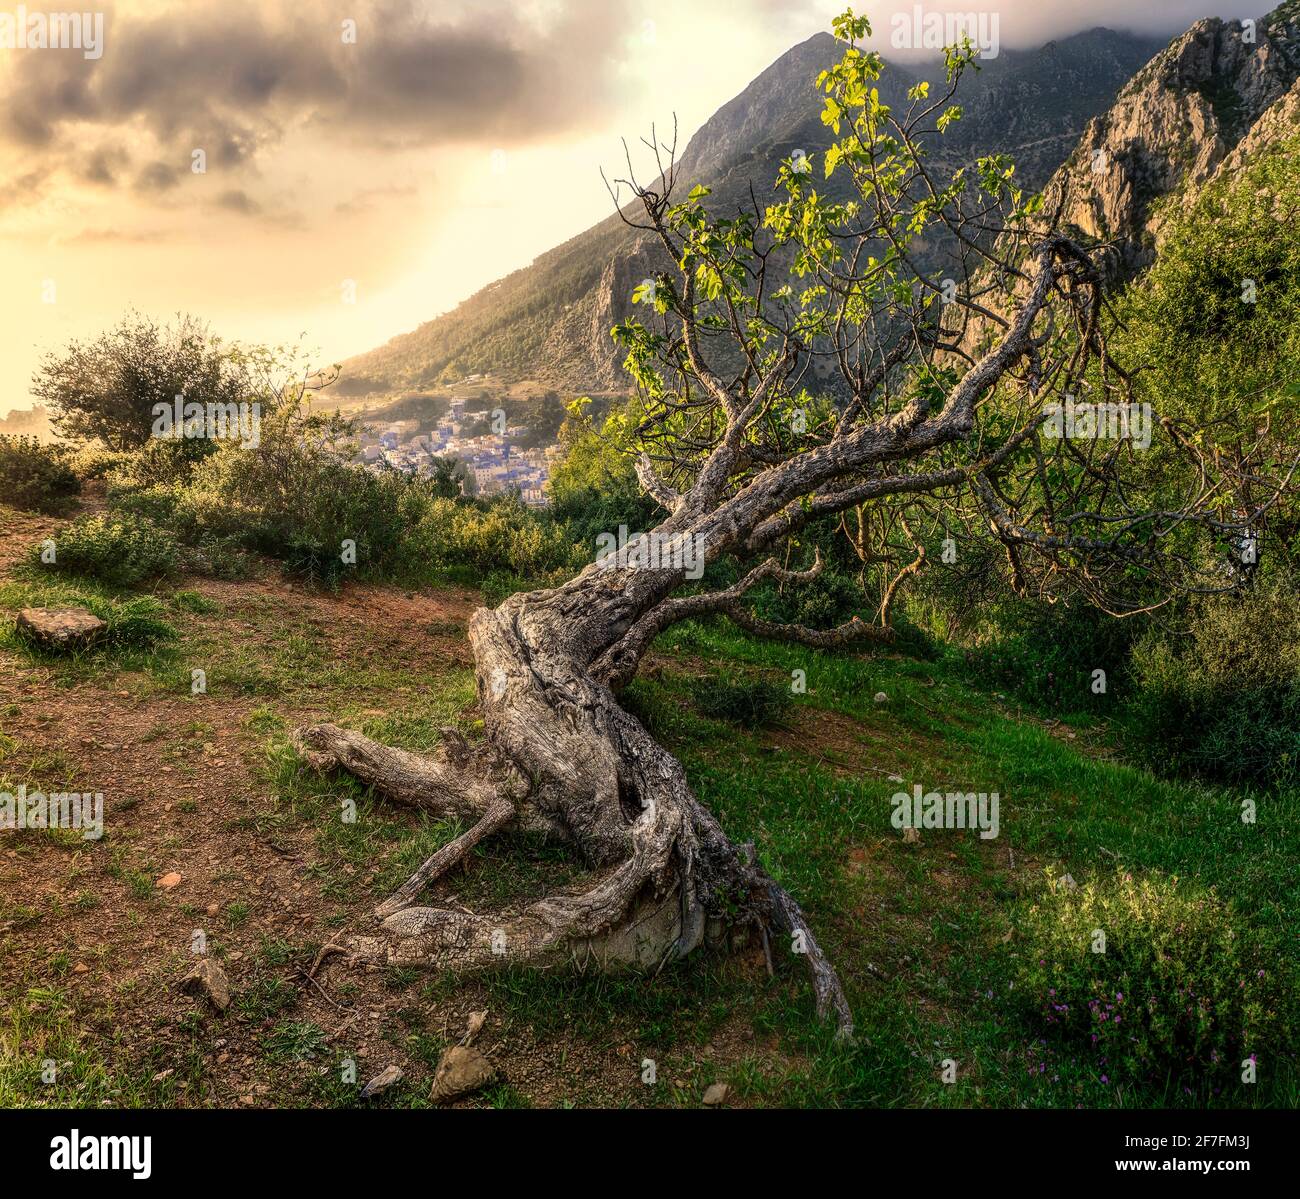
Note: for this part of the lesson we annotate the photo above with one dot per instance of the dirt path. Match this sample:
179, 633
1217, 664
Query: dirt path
186, 793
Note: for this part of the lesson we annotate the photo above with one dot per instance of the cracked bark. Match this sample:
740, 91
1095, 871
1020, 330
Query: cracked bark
561, 756
559, 753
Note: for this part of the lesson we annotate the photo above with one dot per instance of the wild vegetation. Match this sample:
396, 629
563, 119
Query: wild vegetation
908, 584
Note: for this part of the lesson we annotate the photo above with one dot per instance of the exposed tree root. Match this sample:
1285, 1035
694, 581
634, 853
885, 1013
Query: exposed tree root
457, 780
562, 756
624, 918
500, 811
651, 907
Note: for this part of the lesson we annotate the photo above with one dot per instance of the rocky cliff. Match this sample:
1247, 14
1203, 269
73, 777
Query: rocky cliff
1199, 105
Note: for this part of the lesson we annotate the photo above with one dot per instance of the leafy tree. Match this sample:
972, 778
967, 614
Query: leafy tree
105, 390
941, 403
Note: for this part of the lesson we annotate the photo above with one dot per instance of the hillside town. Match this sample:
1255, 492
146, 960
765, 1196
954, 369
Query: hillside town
493, 462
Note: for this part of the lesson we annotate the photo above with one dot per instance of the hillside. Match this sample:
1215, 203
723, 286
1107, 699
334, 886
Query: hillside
550, 321
204, 789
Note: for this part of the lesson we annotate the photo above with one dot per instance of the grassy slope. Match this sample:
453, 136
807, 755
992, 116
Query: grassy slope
921, 932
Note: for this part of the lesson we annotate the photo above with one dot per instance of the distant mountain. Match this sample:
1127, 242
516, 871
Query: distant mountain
550, 321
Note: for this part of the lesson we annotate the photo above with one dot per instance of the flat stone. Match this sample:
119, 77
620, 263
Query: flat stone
461, 1071
716, 1095
60, 628
209, 980
381, 1082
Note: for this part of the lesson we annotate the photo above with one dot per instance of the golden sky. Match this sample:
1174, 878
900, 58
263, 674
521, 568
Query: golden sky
445, 144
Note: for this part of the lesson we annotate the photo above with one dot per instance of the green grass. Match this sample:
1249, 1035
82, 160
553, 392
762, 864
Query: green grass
923, 935
54, 1054
295, 1040
919, 933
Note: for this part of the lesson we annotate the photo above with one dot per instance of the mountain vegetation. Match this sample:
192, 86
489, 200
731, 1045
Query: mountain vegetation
911, 583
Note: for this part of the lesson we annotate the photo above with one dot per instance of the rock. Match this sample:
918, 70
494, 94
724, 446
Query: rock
912, 836
381, 1082
1066, 883
60, 628
209, 980
169, 880
461, 1071
81, 968
716, 1095
881, 697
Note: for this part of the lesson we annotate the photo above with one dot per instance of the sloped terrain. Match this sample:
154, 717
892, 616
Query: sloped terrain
206, 787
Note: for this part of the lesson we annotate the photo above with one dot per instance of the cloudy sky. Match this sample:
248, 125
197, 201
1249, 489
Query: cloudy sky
402, 152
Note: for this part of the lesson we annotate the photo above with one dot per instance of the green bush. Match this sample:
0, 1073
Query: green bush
1179, 990
134, 623
36, 477
497, 586
160, 462
217, 557
500, 535
298, 498
1224, 700
96, 462
122, 551
750, 703
161, 503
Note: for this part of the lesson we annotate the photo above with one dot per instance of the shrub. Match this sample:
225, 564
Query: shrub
1224, 701
1047, 655
1180, 988
751, 703
218, 557
500, 536
36, 477
160, 462
298, 498
828, 600
132, 624
96, 462
160, 503
119, 550
497, 586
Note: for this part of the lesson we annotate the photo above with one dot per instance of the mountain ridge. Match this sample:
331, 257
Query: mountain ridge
550, 320
1172, 129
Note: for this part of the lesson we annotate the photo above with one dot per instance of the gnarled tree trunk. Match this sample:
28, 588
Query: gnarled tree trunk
561, 755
